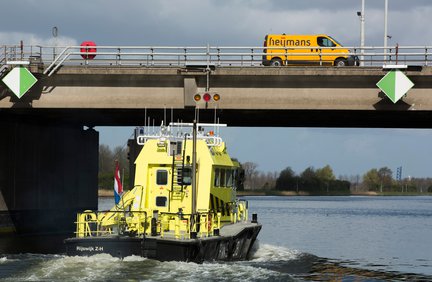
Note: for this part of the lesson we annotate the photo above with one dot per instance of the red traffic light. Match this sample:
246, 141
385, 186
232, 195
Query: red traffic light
207, 97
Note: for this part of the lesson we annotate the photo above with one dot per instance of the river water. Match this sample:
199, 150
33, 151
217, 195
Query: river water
302, 239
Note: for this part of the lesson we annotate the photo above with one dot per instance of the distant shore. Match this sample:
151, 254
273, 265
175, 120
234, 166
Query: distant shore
105, 193
110, 193
302, 193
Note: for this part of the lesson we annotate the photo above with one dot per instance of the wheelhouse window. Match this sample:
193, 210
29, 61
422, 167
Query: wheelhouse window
187, 176
222, 178
162, 177
229, 177
161, 201
216, 178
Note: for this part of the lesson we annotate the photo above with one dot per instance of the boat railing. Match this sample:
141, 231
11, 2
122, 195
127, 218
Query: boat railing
240, 211
204, 224
177, 131
103, 223
181, 226
168, 225
211, 140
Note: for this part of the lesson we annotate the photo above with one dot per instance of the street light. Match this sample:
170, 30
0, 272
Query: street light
54, 32
385, 28
361, 15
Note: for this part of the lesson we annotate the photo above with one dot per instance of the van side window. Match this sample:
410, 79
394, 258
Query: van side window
325, 42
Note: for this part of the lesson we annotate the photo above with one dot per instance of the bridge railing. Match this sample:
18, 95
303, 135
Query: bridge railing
54, 57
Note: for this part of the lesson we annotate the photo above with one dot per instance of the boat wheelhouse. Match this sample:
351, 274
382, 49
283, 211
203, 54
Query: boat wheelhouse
183, 205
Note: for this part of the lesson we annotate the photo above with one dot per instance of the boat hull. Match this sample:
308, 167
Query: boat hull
228, 246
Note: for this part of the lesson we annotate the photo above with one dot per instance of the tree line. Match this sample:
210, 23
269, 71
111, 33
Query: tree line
323, 181
107, 159
312, 180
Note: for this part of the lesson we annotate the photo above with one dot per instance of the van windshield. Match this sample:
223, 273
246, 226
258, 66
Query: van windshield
334, 40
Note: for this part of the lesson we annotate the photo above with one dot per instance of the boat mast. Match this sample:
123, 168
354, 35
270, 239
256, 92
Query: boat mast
194, 140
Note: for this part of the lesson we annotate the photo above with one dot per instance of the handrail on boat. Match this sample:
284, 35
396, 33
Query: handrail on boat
176, 225
94, 224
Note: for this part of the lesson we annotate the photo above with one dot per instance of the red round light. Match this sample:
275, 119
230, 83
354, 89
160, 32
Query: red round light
207, 97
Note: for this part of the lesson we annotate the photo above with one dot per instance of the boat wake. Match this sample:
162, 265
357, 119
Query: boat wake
267, 263
308, 267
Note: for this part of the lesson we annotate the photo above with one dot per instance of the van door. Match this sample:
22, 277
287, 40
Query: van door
327, 55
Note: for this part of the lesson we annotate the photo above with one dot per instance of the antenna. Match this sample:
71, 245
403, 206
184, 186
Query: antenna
145, 119
197, 114
172, 114
214, 129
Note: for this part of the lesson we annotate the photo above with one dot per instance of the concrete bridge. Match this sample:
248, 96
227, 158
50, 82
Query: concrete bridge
250, 96
49, 159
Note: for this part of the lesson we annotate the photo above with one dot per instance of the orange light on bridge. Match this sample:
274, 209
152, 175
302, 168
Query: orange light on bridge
207, 97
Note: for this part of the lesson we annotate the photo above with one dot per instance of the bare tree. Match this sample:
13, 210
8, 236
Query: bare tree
105, 159
250, 170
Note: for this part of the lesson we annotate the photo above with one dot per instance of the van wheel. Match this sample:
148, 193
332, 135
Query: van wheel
340, 62
276, 62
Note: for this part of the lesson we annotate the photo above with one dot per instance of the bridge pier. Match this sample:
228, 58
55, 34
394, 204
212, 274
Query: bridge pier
48, 172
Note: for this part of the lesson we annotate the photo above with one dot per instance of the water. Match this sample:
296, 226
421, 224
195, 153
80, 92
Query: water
303, 239
380, 233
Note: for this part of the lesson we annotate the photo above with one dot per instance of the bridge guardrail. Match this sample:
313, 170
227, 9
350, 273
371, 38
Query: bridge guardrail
53, 57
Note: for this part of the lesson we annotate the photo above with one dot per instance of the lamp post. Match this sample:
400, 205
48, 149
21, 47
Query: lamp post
385, 28
361, 15
54, 34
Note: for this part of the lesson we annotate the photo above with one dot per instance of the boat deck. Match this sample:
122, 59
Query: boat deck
235, 229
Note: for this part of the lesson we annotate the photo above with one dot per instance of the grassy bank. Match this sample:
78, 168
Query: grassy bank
105, 193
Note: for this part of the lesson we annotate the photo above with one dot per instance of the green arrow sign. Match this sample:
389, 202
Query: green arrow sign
19, 80
395, 84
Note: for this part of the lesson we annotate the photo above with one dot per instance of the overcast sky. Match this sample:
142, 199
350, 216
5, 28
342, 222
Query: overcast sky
245, 23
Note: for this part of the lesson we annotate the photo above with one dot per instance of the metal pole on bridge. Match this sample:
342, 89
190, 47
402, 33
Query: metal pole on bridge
385, 28
361, 14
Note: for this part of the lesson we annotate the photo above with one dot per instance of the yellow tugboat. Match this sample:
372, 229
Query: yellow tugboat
183, 206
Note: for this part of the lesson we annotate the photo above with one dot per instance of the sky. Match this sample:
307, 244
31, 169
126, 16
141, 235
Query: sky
245, 23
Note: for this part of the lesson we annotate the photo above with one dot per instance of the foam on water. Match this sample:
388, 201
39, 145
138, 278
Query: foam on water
134, 258
56, 267
269, 263
213, 271
267, 252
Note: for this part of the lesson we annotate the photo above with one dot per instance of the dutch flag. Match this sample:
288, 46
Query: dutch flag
118, 188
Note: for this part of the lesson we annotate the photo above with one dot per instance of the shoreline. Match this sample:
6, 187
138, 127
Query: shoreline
105, 193
110, 193
302, 193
